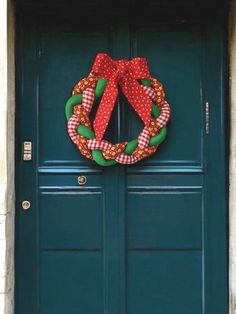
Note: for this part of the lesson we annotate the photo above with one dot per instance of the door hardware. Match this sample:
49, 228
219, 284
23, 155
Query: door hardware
27, 150
26, 205
82, 180
207, 117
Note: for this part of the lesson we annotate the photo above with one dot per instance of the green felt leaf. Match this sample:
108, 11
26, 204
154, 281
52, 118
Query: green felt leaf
86, 132
100, 160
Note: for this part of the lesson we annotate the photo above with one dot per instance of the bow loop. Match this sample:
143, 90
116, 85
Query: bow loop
139, 68
103, 66
124, 73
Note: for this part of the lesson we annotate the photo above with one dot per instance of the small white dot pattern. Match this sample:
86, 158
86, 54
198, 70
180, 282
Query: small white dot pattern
123, 73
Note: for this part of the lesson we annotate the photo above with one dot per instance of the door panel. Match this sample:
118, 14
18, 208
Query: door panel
164, 281
144, 238
79, 271
169, 219
69, 230
178, 51
56, 55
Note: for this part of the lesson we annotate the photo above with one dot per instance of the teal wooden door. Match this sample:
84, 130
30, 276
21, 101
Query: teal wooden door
149, 238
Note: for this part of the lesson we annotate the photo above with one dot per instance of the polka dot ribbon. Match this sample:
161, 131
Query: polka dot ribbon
123, 73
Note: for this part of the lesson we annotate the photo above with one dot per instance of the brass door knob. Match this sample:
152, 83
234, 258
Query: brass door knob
26, 205
82, 180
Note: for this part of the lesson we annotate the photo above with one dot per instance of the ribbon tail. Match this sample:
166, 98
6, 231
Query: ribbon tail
136, 96
105, 109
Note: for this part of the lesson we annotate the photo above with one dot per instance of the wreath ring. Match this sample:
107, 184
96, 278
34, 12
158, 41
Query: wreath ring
80, 130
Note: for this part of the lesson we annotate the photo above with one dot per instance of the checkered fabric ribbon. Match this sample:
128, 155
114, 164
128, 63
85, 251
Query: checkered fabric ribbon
126, 159
72, 127
164, 116
101, 145
88, 99
144, 138
149, 92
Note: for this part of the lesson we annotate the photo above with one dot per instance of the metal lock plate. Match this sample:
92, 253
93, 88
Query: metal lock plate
27, 151
82, 180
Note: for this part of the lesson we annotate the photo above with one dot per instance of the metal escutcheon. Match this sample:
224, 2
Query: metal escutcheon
82, 180
26, 205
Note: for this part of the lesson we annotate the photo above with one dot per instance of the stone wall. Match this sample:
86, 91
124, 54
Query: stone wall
232, 172
7, 158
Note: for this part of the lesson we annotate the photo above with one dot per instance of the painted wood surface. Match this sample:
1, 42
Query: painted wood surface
144, 238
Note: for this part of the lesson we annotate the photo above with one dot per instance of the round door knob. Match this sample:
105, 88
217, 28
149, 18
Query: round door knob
82, 180
26, 205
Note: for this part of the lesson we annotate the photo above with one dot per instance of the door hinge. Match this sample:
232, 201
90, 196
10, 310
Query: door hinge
207, 117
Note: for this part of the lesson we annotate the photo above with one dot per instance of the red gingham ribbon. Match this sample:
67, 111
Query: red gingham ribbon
88, 98
72, 127
126, 159
101, 145
149, 92
144, 138
164, 116
123, 73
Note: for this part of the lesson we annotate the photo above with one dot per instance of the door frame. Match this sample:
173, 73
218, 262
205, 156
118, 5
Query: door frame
7, 141
232, 159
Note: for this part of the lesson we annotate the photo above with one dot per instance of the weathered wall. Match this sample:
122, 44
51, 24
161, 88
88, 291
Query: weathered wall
232, 196
6, 157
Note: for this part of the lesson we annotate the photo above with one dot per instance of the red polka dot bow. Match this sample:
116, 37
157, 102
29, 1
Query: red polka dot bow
123, 73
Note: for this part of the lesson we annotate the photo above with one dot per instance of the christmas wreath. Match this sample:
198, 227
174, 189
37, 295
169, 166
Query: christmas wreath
144, 93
